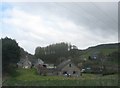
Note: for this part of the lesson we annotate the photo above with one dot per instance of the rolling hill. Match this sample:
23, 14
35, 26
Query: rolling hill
106, 49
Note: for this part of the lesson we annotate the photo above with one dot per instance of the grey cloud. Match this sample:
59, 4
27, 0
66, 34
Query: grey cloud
98, 19
95, 16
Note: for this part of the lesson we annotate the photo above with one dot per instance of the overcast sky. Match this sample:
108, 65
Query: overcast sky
35, 24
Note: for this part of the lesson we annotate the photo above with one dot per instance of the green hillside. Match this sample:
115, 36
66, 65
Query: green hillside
58, 52
106, 49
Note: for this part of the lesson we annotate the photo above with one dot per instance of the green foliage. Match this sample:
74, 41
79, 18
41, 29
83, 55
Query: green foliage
24, 53
52, 53
10, 54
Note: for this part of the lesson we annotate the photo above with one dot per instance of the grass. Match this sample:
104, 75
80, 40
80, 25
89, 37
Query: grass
29, 77
90, 52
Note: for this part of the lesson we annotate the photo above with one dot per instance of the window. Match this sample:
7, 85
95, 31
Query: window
69, 65
44, 66
74, 72
65, 72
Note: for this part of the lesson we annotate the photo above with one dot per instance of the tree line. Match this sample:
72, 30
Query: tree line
53, 52
10, 54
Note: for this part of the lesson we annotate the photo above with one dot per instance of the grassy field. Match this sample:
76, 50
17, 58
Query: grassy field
89, 52
29, 77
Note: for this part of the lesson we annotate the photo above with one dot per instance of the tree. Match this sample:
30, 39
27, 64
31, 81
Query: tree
52, 52
74, 52
10, 54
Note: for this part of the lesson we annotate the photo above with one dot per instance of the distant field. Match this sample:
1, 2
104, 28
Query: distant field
89, 52
29, 77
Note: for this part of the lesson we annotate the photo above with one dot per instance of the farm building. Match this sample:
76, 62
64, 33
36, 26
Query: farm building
38, 62
46, 69
24, 63
28, 63
41, 69
68, 68
51, 71
65, 68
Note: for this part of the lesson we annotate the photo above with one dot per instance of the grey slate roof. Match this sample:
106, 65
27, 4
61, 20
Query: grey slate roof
24, 62
33, 61
38, 61
64, 63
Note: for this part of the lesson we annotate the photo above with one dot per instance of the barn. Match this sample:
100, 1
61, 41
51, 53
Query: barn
24, 63
67, 68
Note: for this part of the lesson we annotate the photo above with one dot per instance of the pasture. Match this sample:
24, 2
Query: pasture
29, 77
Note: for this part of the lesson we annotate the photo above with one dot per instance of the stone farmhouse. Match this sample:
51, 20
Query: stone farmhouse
29, 63
24, 63
66, 68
